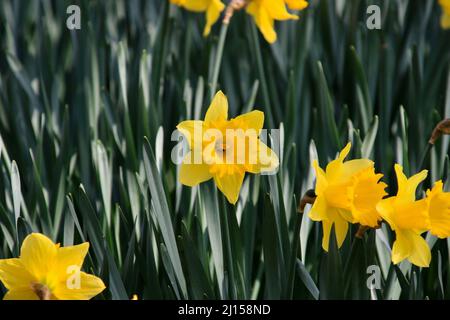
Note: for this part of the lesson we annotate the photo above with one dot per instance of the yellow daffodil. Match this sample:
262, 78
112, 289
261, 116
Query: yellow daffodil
225, 149
346, 192
45, 271
265, 12
439, 210
213, 8
445, 18
296, 4
409, 219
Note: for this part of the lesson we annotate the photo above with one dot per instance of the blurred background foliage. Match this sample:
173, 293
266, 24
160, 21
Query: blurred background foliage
75, 107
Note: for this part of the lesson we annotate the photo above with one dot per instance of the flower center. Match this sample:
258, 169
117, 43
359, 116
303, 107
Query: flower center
41, 290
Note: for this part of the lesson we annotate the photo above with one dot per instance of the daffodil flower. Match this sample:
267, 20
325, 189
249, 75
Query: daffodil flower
213, 8
265, 12
347, 192
409, 219
445, 18
225, 149
46, 271
439, 211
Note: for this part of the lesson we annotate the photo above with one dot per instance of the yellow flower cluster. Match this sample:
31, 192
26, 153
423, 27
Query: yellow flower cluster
351, 192
264, 12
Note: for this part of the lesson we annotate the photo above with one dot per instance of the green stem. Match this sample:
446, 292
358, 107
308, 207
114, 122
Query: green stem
262, 75
293, 256
227, 247
424, 157
218, 59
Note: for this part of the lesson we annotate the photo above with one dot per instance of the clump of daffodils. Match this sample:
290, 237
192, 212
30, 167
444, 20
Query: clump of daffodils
46, 271
264, 12
351, 192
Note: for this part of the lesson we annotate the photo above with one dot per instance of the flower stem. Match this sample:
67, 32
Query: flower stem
218, 59
308, 197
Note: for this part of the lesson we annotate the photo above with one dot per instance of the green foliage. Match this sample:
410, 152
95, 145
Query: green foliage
86, 118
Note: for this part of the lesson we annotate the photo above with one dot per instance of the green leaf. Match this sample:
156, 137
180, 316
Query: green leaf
162, 213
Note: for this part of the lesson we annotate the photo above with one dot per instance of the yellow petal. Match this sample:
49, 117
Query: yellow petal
38, 255
230, 185
14, 275
20, 294
386, 210
321, 180
264, 22
90, 286
69, 257
297, 4
338, 170
340, 227
319, 209
277, 10
266, 159
439, 210
421, 253
411, 215
191, 174
402, 247
407, 187
218, 110
445, 21
212, 15
252, 120
410, 245
196, 5
192, 130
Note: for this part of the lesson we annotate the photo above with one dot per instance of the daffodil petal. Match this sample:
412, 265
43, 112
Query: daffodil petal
321, 180
297, 4
218, 110
445, 21
407, 187
196, 5
402, 247
319, 209
230, 185
439, 210
212, 15
192, 130
89, 287
264, 22
70, 257
278, 11
421, 253
411, 215
20, 294
191, 173
252, 120
13, 274
340, 228
266, 159
38, 255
